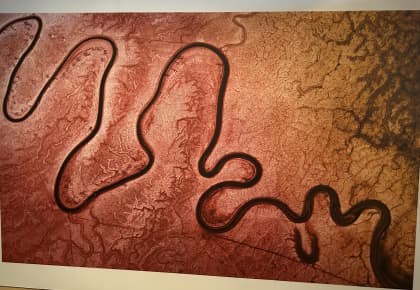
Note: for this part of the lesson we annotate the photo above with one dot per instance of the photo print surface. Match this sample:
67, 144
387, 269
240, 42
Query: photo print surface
280, 146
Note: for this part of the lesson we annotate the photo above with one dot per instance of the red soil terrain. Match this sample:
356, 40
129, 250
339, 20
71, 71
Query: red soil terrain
273, 146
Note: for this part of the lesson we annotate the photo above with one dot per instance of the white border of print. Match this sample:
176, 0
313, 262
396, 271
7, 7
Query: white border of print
203, 5
66, 278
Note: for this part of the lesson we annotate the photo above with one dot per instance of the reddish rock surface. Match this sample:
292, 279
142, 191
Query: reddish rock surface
316, 98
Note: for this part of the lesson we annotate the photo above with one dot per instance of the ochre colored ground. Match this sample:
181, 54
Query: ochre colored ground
317, 98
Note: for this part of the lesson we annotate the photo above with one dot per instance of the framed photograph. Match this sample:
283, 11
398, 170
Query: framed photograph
209, 145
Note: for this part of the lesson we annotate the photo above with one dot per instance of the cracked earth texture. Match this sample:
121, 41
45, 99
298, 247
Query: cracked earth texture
327, 98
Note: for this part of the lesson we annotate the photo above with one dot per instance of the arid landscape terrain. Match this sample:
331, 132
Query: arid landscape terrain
279, 146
